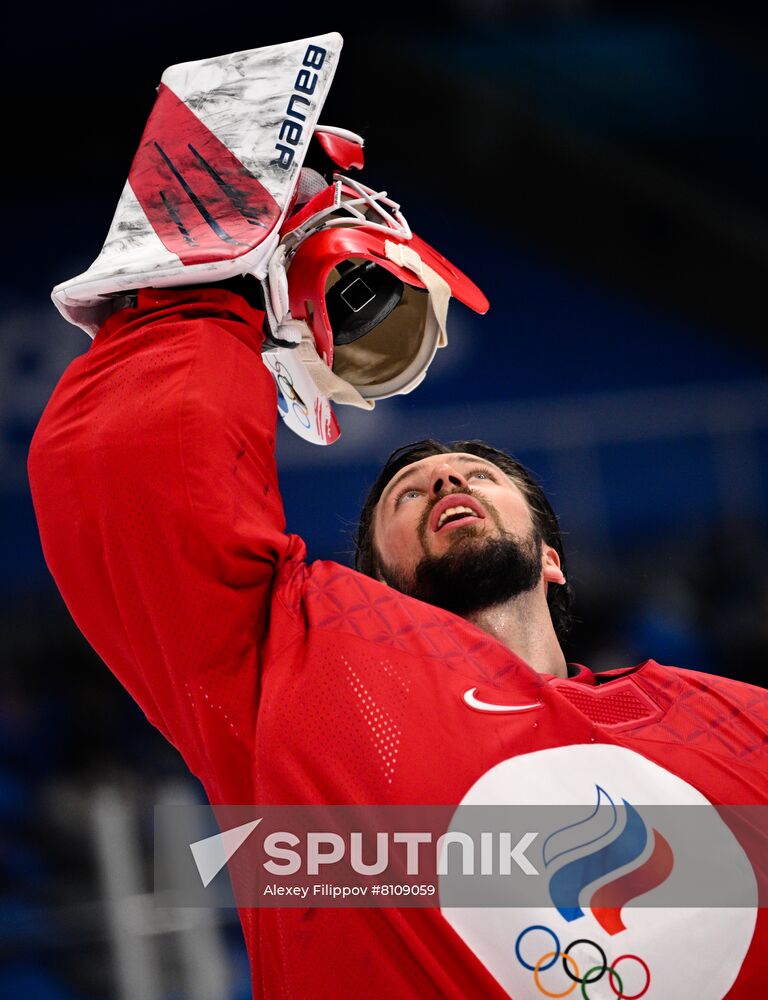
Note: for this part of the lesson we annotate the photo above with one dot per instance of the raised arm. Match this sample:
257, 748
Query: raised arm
155, 488
152, 471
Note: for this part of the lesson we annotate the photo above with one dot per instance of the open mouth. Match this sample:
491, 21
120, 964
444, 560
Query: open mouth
455, 511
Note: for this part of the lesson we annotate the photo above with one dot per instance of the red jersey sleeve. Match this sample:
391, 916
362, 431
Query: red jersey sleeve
154, 483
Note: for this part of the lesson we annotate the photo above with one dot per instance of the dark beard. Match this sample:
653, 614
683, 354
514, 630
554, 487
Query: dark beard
473, 575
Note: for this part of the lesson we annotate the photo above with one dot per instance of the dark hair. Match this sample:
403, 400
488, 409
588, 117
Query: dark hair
545, 520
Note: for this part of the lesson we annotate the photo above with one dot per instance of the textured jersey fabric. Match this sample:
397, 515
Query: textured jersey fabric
155, 487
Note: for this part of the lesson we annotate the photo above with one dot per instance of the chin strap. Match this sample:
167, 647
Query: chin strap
327, 382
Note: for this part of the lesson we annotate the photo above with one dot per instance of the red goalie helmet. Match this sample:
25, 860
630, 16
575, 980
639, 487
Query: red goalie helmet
368, 299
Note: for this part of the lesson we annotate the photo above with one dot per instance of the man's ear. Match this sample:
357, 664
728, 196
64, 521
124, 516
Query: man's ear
550, 565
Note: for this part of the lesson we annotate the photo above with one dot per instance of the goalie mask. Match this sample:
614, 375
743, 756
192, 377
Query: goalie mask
356, 304
365, 298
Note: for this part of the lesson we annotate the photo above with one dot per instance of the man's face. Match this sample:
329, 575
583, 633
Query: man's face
456, 513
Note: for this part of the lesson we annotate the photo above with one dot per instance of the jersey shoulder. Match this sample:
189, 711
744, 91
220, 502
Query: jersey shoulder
740, 692
701, 708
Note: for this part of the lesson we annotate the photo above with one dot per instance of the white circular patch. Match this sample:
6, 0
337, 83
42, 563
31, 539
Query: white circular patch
669, 952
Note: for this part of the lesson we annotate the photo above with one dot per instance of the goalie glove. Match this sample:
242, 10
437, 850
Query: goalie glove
355, 303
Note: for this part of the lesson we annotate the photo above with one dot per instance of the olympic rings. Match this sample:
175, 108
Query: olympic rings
595, 945
646, 970
538, 967
549, 958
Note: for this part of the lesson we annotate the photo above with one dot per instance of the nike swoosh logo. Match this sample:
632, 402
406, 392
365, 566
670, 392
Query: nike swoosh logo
471, 699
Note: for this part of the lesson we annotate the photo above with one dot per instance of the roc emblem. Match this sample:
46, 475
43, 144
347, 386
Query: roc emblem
591, 941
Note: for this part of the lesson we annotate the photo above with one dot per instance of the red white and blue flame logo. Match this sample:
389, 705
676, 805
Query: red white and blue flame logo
610, 847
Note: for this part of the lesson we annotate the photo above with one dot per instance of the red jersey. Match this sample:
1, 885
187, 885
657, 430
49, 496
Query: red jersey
155, 487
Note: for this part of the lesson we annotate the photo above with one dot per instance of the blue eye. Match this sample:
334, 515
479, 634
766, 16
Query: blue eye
408, 492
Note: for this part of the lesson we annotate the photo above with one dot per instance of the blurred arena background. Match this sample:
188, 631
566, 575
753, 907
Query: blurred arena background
599, 169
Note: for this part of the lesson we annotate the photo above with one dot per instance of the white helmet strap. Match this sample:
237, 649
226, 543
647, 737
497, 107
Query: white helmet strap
438, 288
327, 382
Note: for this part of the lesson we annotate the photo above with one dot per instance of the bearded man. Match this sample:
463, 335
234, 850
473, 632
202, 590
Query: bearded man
467, 528
432, 674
